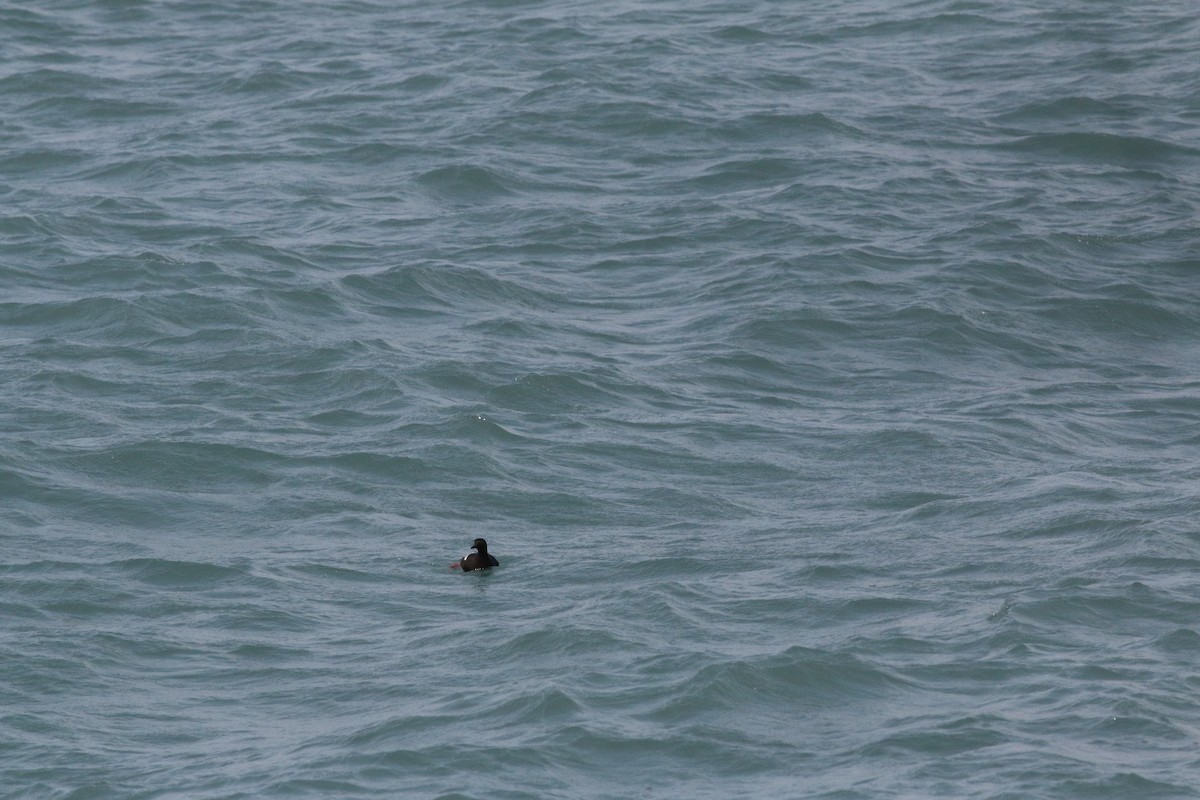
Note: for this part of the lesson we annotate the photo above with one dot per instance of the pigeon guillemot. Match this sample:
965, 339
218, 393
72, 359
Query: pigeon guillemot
480, 559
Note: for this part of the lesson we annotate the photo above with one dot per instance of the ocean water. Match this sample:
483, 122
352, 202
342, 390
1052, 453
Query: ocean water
825, 377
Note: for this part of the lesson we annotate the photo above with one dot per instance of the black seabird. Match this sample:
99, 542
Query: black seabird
480, 559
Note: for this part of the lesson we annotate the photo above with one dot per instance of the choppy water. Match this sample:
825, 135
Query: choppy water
825, 377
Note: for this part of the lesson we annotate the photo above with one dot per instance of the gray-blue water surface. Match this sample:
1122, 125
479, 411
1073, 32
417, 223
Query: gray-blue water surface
824, 376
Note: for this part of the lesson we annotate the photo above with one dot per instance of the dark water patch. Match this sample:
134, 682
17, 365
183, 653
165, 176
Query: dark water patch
266, 652
1182, 640
117, 319
930, 24
1114, 317
1123, 785
422, 82
1077, 525
101, 109
547, 32
643, 751
466, 183
591, 456
178, 466
45, 82
398, 292
549, 393
141, 272
511, 329
130, 171
70, 384
740, 34
791, 682
669, 566
261, 263
88, 597
338, 574
1106, 148
1073, 108
374, 154
323, 378
541, 707
23, 22
894, 441
443, 286
1129, 610
483, 430
491, 753
23, 228
1133, 725
1095, 674
875, 608
317, 787
763, 126
637, 120
943, 739
709, 505
737, 175
52, 675
526, 506
837, 573
1152, 564
181, 574
793, 329
384, 468
266, 620
93, 503
138, 654
458, 378
397, 729
267, 78
44, 162
923, 503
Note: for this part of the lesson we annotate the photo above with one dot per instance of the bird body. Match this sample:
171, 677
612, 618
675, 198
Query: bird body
480, 559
